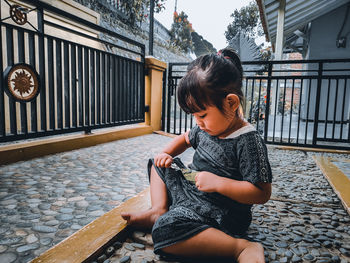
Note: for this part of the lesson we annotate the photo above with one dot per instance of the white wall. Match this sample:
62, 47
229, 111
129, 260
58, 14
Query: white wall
322, 45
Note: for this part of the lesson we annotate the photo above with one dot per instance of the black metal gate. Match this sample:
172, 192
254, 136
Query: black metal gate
62, 73
296, 102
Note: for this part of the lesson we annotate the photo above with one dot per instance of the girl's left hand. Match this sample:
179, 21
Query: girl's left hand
207, 182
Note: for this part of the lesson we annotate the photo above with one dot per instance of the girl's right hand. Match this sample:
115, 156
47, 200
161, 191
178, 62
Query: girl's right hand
163, 160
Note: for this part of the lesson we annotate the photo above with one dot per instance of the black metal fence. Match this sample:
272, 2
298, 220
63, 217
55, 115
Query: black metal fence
83, 82
296, 102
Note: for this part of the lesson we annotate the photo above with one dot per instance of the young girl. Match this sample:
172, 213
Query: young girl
203, 218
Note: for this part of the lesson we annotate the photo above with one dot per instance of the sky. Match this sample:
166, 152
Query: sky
209, 18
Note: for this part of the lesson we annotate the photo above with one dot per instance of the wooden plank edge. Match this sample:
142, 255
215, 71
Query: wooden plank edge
29, 150
306, 149
91, 238
171, 135
336, 178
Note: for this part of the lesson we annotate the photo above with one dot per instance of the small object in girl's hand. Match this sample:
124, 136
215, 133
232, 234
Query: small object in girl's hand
189, 175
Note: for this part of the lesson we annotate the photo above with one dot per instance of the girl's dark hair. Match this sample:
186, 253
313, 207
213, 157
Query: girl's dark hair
209, 79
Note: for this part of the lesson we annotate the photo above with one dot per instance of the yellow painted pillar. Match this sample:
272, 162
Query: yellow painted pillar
153, 92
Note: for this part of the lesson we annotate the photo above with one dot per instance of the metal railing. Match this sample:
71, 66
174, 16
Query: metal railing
295, 102
85, 82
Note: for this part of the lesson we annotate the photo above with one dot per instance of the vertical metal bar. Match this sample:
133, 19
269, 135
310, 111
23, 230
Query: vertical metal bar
246, 95
108, 90
74, 85
98, 87
327, 105
251, 102
40, 16
299, 109
164, 99
191, 120
2, 89
59, 85
307, 111
180, 121
133, 91
259, 94
275, 116
21, 59
92, 87
140, 113
151, 27
113, 90
268, 95
80, 88
86, 90
136, 91
175, 105
130, 95
51, 89
170, 86
142, 82
283, 105
10, 62
120, 89
291, 111
67, 107
335, 107
122, 86
127, 91
116, 89
103, 88
317, 101
20, 38
342, 111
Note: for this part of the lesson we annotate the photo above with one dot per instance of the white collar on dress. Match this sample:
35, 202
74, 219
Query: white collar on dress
240, 131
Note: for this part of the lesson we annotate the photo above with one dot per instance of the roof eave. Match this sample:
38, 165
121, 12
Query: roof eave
263, 19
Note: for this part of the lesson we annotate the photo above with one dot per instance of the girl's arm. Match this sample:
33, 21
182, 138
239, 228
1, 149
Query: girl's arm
240, 191
177, 146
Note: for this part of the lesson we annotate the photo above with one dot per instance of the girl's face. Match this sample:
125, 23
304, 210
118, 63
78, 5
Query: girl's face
219, 123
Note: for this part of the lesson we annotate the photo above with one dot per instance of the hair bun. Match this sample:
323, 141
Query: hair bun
231, 54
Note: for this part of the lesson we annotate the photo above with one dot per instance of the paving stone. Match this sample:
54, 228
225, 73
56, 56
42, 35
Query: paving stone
10, 240
44, 229
3, 248
64, 217
45, 241
31, 238
125, 259
8, 257
26, 248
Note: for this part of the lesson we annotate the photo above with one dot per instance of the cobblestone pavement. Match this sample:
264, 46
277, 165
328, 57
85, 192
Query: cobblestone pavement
43, 201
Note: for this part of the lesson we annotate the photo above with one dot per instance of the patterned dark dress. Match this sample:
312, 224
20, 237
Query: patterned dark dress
240, 156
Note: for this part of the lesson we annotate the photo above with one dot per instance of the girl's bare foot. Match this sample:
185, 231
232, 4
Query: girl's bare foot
144, 219
253, 253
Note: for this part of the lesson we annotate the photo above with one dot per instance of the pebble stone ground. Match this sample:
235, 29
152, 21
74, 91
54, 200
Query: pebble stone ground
43, 201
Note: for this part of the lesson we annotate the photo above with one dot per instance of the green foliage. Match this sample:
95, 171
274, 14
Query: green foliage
245, 20
138, 10
180, 32
201, 46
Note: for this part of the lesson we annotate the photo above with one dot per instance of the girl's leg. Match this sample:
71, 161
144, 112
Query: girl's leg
159, 204
215, 243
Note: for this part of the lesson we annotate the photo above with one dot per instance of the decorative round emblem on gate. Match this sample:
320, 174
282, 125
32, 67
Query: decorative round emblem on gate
17, 14
22, 82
